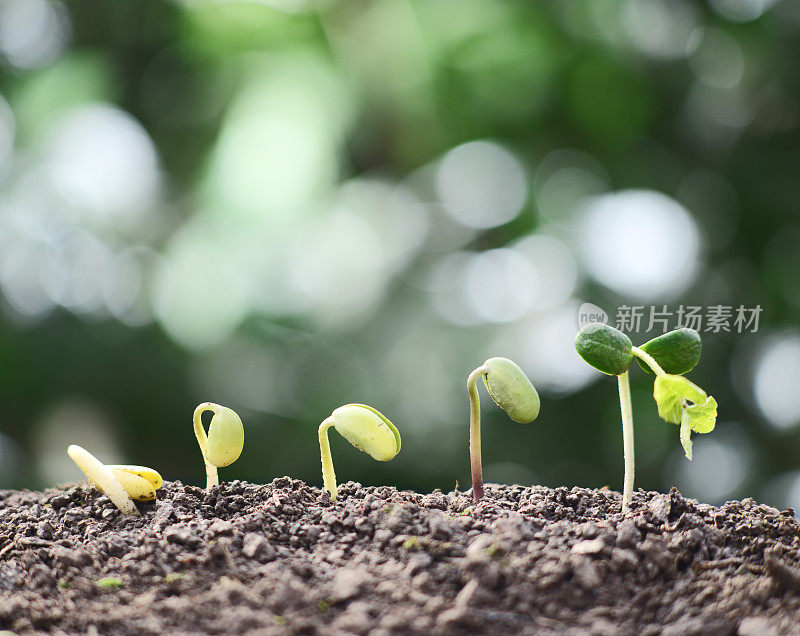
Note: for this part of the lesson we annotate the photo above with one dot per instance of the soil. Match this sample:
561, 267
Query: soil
282, 558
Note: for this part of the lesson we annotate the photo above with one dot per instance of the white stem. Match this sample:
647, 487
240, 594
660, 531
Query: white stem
103, 479
212, 475
649, 361
686, 434
626, 410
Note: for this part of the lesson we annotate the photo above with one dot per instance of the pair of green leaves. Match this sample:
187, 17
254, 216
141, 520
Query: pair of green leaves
610, 351
677, 352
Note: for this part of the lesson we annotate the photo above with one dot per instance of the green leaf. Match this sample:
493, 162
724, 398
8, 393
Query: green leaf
670, 392
677, 352
606, 349
683, 402
703, 416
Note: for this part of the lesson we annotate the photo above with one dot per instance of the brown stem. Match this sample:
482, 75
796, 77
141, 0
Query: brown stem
475, 433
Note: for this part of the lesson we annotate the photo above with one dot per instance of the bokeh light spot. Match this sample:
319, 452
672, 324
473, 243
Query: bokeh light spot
339, 265
741, 10
659, 28
446, 283
73, 420
199, 296
720, 464
718, 114
7, 133
563, 179
277, 148
716, 58
640, 243
33, 33
542, 344
102, 160
500, 285
481, 184
777, 370
555, 267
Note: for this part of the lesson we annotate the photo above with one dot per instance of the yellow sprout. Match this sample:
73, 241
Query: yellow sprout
140, 482
224, 442
121, 483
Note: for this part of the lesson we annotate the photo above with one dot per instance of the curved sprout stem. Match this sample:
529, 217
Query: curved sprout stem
475, 432
328, 474
649, 361
626, 411
212, 475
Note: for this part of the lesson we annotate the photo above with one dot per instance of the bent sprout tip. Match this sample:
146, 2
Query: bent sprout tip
365, 428
123, 484
225, 440
512, 391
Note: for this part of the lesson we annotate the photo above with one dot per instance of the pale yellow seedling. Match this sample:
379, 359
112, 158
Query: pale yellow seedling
224, 442
140, 482
365, 428
103, 479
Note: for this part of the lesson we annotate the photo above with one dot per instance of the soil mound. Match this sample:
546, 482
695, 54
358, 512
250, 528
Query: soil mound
282, 558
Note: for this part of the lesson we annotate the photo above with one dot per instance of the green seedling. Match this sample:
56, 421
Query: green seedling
110, 583
668, 356
224, 442
365, 428
174, 577
512, 391
122, 484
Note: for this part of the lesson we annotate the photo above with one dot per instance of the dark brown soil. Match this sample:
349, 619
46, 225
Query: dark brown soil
282, 558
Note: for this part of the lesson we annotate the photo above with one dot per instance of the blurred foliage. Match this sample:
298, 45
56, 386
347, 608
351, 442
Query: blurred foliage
297, 244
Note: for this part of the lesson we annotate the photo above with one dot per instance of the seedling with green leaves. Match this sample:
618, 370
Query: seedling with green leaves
365, 428
123, 484
668, 356
224, 442
512, 391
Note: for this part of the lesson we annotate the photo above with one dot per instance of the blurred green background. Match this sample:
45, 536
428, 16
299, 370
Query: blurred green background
284, 206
